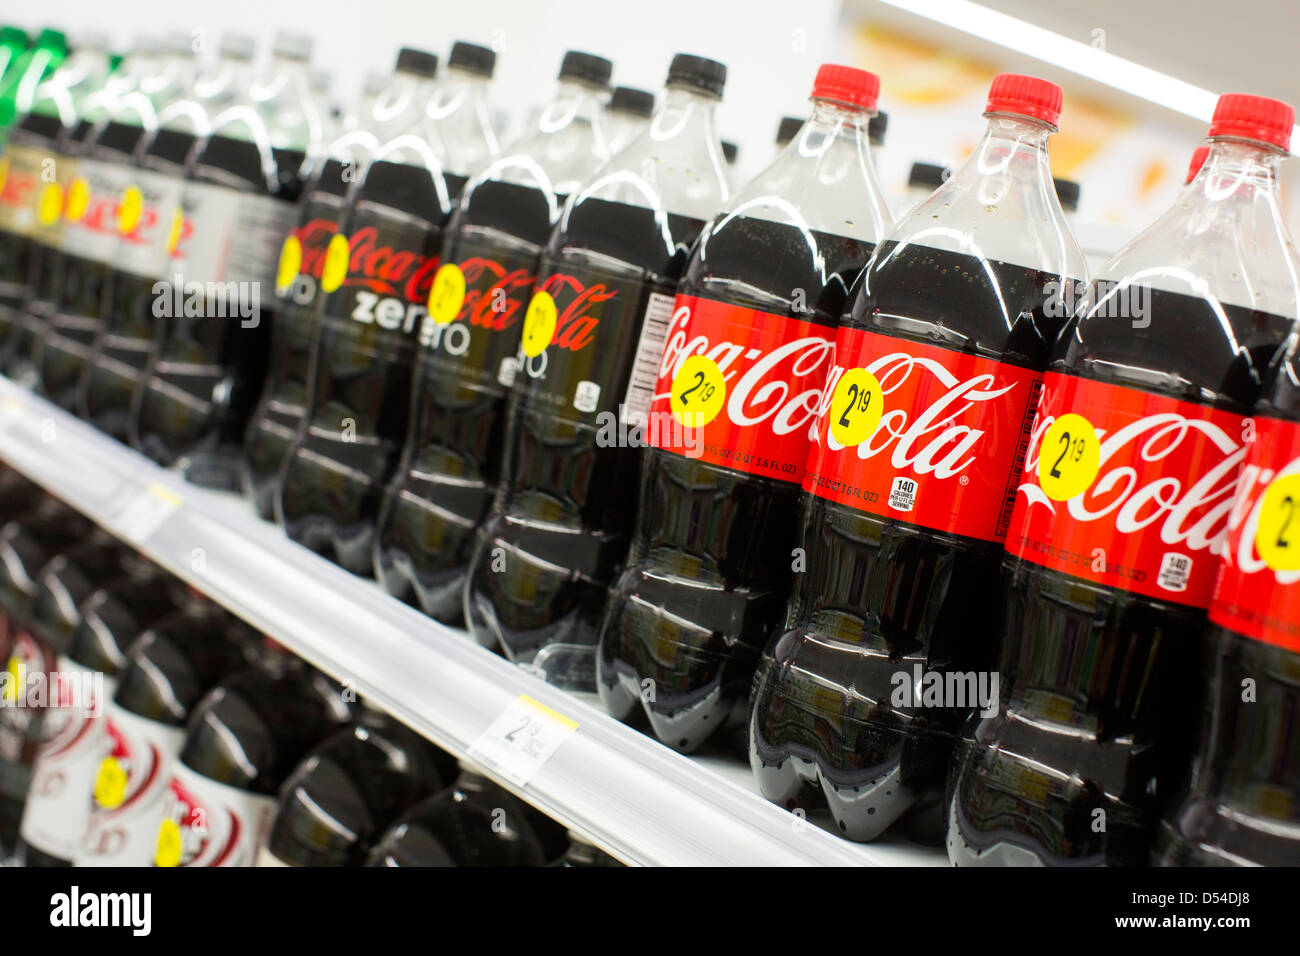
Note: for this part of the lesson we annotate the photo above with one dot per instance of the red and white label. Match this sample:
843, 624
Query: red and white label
1250, 597
952, 434
1153, 519
206, 823
774, 368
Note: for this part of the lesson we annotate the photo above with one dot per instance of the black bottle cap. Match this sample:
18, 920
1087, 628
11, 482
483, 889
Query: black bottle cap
411, 60
788, 129
876, 129
928, 175
1067, 192
730, 151
586, 68
628, 99
472, 57
699, 73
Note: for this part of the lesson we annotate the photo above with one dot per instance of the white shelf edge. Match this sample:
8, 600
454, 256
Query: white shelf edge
629, 794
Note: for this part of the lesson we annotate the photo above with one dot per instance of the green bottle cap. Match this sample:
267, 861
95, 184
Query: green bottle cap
13, 36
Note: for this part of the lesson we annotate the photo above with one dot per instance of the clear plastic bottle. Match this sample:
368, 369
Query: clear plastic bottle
627, 114
452, 454
594, 331
708, 573
910, 482
378, 274
279, 413
1121, 518
236, 206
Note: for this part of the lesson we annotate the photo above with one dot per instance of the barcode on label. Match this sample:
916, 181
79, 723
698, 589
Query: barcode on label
649, 353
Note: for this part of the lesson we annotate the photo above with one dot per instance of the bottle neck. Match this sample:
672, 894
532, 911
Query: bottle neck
1239, 169
573, 101
1014, 145
685, 112
462, 121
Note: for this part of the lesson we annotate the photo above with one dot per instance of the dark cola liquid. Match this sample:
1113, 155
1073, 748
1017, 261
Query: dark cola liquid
45, 265
209, 368
1101, 687
472, 823
63, 352
131, 332
347, 792
276, 419
35, 135
709, 570
451, 462
880, 596
361, 387
559, 528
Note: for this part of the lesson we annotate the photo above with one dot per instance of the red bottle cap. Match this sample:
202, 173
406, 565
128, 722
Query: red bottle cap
1253, 117
1026, 96
847, 84
1198, 160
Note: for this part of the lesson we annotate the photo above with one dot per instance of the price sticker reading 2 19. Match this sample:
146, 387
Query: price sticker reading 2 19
1069, 458
856, 407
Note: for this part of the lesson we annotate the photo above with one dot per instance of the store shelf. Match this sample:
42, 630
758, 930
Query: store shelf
624, 791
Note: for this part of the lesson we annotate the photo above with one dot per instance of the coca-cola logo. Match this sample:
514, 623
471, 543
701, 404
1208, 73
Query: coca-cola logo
384, 270
315, 238
1168, 472
18, 188
779, 385
1244, 521
939, 435
577, 315
495, 297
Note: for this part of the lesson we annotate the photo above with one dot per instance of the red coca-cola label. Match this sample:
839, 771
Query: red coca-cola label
773, 368
952, 435
1250, 597
392, 264
315, 236
1152, 520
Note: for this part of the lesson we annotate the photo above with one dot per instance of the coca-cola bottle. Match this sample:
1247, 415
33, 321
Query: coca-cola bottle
146, 253
1241, 807
347, 792
451, 459
474, 822
243, 740
37, 711
590, 345
1120, 519
278, 416
44, 146
377, 276
23, 75
90, 229
235, 207
627, 114
58, 805
750, 343
910, 482
167, 671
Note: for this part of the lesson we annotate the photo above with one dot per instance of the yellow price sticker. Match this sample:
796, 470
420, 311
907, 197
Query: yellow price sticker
169, 845
174, 234
448, 294
335, 269
51, 204
698, 392
290, 263
1068, 458
110, 783
78, 199
1277, 538
4, 172
856, 407
16, 672
539, 324
128, 211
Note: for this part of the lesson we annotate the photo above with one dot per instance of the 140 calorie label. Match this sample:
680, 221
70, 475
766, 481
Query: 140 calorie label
1257, 592
749, 382
922, 434
1128, 489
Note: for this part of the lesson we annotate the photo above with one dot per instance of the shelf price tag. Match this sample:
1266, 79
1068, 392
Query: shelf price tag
521, 739
144, 513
